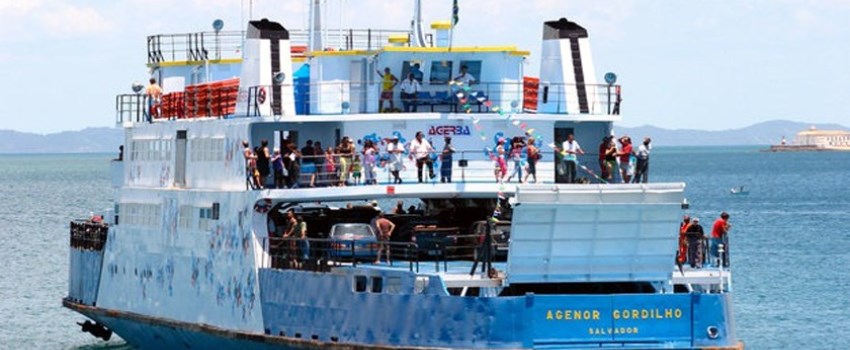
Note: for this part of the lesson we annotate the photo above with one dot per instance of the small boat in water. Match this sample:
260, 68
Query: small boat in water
739, 191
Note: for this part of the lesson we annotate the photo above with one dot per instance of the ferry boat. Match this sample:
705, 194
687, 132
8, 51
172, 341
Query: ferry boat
193, 255
816, 140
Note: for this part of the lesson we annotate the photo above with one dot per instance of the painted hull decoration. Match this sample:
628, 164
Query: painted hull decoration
232, 230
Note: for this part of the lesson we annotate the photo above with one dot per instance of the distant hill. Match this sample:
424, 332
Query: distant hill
95, 140
766, 133
89, 140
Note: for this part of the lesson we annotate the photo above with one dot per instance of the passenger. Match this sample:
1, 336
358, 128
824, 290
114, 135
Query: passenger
417, 72
617, 101
517, 144
610, 164
420, 149
399, 208
319, 163
263, 165
409, 88
154, 94
642, 167
719, 235
385, 231
396, 151
345, 151
289, 236
294, 166
603, 148
120, 153
308, 162
330, 167
277, 166
446, 161
370, 162
695, 235
356, 169
251, 173
533, 156
571, 149
303, 243
501, 168
682, 252
464, 78
388, 83
625, 154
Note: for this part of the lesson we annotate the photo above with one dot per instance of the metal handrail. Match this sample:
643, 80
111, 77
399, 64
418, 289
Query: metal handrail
201, 46
353, 97
468, 166
327, 253
88, 235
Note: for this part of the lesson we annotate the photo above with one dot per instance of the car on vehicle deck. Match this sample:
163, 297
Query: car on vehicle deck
353, 241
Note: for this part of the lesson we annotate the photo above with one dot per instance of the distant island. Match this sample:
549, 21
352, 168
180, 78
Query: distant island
107, 140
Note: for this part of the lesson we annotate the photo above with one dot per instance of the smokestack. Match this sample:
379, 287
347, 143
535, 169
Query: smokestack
569, 82
266, 62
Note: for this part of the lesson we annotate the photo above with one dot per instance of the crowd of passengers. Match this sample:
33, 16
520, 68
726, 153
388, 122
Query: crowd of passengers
347, 164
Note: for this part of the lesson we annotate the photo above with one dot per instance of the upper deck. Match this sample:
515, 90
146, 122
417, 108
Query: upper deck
270, 71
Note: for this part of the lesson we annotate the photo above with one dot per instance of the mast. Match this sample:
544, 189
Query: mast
418, 34
315, 31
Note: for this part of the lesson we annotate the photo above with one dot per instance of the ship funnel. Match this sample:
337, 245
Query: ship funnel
567, 76
266, 84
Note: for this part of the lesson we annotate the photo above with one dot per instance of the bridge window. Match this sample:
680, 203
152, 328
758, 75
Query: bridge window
441, 72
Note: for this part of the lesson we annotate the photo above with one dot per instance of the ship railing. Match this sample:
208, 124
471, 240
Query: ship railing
323, 254
133, 109
357, 97
204, 46
88, 234
466, 166
708, 257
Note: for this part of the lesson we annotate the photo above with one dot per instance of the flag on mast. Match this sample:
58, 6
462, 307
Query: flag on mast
455, 11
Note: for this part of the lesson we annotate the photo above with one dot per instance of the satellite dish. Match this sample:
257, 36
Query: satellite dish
137, 88
279, 77
610, 78
218, 25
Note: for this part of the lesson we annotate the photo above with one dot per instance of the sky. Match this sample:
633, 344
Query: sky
697, 64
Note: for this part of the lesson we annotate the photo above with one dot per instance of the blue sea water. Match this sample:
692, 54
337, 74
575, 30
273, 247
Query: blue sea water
789, 240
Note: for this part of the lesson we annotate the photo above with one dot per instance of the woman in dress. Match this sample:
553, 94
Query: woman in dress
346, 152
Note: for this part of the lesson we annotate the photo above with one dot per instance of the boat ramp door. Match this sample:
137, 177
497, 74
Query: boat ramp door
586, 233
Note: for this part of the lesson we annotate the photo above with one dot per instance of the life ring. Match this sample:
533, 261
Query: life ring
261, 95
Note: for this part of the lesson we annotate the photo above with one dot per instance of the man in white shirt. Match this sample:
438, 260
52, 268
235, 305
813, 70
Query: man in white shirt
464, 78
420, 149
570, 150
396, 151
642, 167
409, 88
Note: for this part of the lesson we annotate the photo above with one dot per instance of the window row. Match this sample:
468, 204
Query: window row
150, 150
207, 150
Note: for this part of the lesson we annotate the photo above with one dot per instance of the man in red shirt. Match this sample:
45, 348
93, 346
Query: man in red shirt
719, 232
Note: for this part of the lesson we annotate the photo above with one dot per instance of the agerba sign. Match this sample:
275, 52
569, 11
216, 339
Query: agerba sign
449, 130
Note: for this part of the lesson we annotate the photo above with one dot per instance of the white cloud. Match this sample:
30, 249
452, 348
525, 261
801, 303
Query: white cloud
72, 21
16, 8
